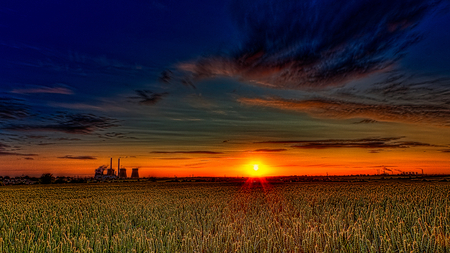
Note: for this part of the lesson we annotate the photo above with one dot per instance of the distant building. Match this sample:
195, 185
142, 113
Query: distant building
123, 173
135, 173
110, 173
99, 172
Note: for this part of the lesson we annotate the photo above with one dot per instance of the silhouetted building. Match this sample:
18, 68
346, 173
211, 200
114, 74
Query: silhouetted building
110, 171
123, 173
135, 173
99, 172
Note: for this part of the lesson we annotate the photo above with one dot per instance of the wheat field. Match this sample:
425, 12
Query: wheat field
225, 217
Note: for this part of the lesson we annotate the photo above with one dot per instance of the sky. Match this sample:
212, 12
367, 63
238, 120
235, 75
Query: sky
211, 88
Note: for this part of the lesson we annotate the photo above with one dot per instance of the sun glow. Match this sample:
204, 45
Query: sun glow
256, 169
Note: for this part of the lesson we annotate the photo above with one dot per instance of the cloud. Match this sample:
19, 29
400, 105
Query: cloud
291, 44
187, 152
385, 139
46, 143
270, 150
44, 89
70, 123
67, 139
366, 121
365, 143
148, 97
173, 158
195, 165
11, 108
36, 136
78, 157
341, 109
5, 152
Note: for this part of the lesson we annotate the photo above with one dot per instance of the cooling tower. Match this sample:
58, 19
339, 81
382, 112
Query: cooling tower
123, 173
135, 173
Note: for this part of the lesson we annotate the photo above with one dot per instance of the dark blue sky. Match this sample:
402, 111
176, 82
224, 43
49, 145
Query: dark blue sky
78, 78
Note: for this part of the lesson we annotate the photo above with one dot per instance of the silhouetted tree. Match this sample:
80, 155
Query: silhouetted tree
47, 178
60, 180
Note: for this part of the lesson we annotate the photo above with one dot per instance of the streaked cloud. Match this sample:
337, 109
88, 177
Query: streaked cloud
69, 123
366, 121
188, 152
365, 143
270, 150
78, 157
173, 158
147, 97
340, 109
6, 153
44, 89
11, 108
311, 44
7, 150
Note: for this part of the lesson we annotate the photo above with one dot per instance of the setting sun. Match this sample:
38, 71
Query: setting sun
256, 169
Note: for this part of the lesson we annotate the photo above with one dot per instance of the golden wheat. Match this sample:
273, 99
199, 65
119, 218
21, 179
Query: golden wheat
219, 217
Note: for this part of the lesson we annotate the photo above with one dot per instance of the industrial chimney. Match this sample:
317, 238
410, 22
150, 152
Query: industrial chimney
118, 168
135, 173
110, 171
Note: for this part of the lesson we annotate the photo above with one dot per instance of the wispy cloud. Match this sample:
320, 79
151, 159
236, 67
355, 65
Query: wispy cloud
385, 139
365, 143
147, 97
188, 152
6, 153
6, 150
11, 108
70, 123
340, 109
298, 44
173, 158
44, 89
46, 143
78, 157
366, 121
270, 150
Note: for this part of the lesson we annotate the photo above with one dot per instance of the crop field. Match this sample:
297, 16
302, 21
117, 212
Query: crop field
225, 217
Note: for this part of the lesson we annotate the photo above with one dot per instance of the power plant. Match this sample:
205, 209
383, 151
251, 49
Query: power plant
123, 173
111, 173
135, 173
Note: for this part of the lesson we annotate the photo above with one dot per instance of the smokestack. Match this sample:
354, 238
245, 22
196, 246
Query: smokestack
110, 163
118, 168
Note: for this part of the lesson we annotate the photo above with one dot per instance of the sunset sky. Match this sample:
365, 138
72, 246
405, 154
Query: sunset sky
212, 88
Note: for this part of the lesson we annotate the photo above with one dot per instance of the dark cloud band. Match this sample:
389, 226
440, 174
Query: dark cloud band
292, 44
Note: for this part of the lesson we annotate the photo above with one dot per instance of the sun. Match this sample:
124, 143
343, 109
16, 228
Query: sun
256, 169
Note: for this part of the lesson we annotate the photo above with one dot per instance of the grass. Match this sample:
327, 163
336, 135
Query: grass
220, 217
